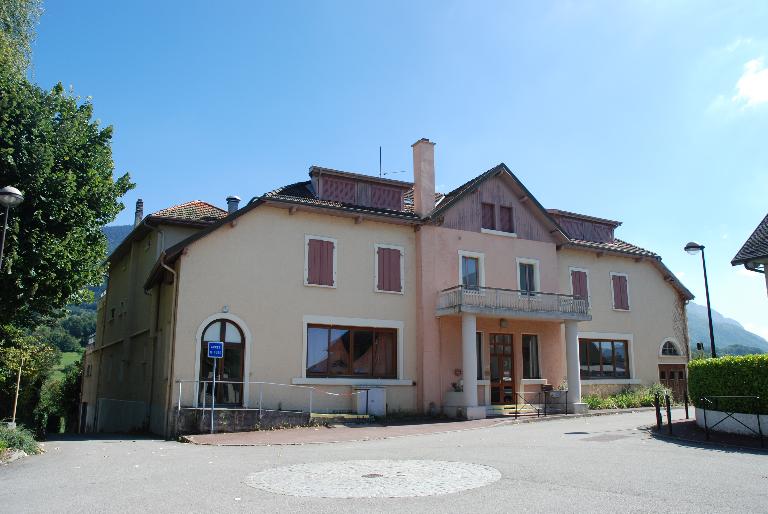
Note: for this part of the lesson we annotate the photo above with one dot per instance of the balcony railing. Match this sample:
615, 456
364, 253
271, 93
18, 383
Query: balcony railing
511, 303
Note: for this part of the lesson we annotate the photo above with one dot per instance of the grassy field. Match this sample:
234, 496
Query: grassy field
67, 358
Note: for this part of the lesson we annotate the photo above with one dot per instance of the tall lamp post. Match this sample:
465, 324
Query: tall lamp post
694, 248
10, 197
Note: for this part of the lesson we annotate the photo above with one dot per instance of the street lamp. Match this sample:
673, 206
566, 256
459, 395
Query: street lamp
9, 197
694, 248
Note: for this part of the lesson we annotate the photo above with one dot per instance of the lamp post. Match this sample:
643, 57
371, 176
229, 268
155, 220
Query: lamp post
694, 248
9, 197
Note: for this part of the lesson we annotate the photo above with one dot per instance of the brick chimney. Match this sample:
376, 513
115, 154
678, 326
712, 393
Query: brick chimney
233, 203
139, 212
423, 176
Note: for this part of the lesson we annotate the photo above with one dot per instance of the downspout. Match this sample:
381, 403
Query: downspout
169, 396
161, 241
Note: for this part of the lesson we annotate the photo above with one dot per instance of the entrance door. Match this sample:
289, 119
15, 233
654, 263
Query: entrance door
229, 369
502, 369
673, 377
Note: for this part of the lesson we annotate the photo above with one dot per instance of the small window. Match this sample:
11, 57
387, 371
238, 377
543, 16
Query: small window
531, 356
389, 269
506, 222
489, 216
620, 292
320, 262
669, 348
662, 374
470, 272
527, 277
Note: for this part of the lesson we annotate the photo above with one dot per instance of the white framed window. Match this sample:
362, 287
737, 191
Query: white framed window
471, 269
528, 279
531, 368
620, 291
389, 268
320, 261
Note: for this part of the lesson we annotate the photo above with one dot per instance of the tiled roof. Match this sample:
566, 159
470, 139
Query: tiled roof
195, 210
408, 199
617, 245
304, 193
756, 245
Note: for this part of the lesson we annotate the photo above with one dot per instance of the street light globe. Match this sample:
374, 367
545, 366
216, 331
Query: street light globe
10, 197
693, 248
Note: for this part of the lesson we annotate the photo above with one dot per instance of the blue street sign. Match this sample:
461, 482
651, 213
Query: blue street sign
215, 350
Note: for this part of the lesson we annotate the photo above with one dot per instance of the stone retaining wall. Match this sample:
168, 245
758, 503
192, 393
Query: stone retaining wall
198, 421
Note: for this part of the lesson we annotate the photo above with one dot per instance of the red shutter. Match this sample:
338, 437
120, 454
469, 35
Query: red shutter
579, 283
327, 276
488, 216
505, 219
389, 270
620, 296
320, 262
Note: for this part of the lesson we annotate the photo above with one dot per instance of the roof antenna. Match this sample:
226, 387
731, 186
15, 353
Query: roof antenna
379, 161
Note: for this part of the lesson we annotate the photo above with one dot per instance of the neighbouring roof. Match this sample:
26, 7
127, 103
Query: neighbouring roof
755, 247
195, 210
585, 217
617, 245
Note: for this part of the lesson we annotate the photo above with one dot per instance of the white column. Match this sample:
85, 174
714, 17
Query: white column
469, 358
572, 359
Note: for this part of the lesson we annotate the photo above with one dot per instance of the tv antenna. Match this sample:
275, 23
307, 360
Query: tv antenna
383, 174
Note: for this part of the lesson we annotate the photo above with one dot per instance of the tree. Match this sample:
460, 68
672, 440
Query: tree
58, 156
17, 31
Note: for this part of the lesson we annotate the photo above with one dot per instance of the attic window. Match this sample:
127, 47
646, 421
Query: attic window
669, 348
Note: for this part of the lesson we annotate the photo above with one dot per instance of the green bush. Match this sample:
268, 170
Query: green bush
745, 375
626, 399
18, 439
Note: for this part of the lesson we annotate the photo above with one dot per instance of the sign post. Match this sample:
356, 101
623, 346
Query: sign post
215, 352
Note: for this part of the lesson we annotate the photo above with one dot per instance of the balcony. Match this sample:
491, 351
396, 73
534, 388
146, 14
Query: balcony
511, 303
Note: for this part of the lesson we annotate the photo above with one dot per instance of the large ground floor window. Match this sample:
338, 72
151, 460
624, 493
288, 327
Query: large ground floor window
360, 352
229, 369
600, 359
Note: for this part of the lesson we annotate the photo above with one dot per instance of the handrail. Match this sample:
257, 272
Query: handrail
521, 291
500, 299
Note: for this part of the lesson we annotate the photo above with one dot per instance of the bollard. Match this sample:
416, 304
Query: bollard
669, 413
685, 399
658, 411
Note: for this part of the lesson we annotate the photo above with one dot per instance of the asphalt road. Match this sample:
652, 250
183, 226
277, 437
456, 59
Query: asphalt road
572, 465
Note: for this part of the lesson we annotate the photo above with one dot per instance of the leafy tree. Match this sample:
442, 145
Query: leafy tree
58, 337
17, 31
58, 156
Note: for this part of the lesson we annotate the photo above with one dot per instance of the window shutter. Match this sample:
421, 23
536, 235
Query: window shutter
381, 255
314, 267
579, 283
389, 270
327, 275
488, 216
620, 297
505, 222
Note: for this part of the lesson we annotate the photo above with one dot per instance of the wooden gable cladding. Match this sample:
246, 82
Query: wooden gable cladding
586, 230
467, 213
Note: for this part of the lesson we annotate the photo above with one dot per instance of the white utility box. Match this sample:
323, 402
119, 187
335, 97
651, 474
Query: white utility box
371, 401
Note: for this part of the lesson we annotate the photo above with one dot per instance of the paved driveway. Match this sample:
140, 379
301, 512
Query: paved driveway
572, 465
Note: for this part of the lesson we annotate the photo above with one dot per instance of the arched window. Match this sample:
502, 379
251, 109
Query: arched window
229, 369
669, 348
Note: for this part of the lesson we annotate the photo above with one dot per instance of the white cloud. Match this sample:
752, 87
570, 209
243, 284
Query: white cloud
742, 41
752, 86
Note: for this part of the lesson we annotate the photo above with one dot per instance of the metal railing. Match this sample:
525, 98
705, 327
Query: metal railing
205, 390
714, 401
539, 403
496, 299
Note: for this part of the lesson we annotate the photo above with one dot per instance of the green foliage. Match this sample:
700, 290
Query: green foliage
625, 399
18, 439
48, 409
58, 156
69, 403
58, 337
730, 376
17, 31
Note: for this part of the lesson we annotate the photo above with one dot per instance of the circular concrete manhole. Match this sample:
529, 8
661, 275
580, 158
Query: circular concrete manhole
374, 478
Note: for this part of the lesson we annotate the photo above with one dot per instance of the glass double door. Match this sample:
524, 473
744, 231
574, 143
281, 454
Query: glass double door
502, 369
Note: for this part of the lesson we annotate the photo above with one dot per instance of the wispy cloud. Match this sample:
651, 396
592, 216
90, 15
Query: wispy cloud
752, 86
737, 43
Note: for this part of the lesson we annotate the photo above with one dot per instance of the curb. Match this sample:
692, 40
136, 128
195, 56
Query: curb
673, 438
501, 422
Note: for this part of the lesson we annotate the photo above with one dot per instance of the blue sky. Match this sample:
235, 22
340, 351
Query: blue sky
652, 113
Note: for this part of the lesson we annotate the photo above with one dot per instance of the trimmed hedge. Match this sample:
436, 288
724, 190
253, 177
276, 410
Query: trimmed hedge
745, 375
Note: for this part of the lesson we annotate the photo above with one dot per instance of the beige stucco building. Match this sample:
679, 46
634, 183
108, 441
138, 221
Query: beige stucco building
348, 293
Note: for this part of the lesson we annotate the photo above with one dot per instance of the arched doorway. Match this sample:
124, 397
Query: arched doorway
229, 369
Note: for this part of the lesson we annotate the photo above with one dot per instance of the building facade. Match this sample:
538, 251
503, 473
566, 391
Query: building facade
463, 303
